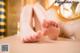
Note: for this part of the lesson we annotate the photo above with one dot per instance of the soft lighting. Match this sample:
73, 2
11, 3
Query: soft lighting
66, 10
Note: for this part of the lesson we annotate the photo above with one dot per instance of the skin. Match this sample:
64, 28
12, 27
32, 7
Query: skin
48, 26
43, 25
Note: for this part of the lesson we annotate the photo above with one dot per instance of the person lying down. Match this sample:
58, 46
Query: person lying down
35, 16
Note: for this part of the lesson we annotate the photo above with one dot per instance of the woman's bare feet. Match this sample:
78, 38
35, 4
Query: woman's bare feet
48, 27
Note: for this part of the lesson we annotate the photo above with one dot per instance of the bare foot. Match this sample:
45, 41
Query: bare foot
32, 37
48, 26
51, 29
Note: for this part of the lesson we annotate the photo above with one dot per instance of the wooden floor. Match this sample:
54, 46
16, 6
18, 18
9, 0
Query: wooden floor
45, 46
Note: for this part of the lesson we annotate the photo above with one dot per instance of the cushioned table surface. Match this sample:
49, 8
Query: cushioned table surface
45, 46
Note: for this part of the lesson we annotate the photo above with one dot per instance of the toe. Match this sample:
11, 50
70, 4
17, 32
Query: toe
45, 24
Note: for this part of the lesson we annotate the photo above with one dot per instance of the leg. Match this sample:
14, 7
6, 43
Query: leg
26, 32
49, 27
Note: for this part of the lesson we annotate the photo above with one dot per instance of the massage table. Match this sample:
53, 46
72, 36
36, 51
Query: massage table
44, 46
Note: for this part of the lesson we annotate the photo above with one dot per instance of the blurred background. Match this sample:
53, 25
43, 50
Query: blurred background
12, 9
